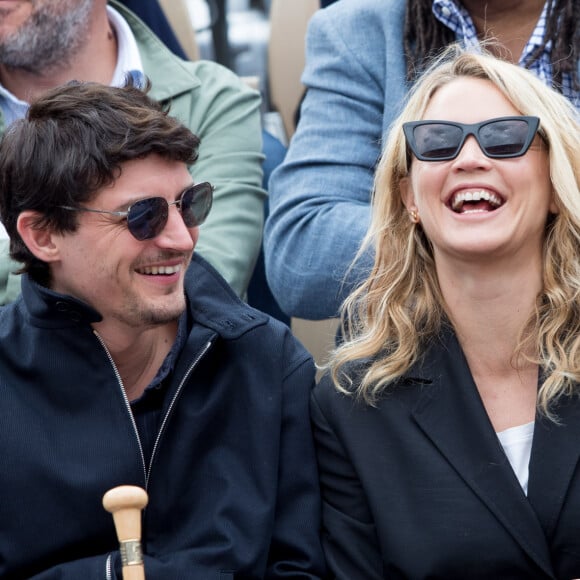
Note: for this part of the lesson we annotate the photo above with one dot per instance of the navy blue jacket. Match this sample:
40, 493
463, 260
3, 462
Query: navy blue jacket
233, 490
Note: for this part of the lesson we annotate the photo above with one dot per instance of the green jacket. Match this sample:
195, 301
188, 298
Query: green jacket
225, 114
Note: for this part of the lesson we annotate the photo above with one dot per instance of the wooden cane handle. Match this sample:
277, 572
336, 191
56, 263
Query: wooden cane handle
125, 504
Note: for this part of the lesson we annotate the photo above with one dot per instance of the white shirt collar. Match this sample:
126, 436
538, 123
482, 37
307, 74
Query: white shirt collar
128, 57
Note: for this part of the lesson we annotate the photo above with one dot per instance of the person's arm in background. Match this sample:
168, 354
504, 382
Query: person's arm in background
320, 196
9, 282
225, 115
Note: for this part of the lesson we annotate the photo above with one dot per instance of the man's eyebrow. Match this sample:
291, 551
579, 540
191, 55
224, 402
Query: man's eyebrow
124, 206
140, 196
127, 204
192, 184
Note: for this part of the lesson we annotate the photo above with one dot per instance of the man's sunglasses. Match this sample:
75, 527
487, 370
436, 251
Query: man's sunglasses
500, 138
147, 217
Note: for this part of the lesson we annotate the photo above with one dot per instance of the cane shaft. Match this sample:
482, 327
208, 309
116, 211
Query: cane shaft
133, 572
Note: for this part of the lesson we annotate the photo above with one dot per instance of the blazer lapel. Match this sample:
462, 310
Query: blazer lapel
450, 412
551, 472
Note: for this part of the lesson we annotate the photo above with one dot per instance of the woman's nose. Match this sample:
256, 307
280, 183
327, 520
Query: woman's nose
471, 156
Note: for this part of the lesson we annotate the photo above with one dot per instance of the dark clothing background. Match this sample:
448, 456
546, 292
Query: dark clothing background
152, 14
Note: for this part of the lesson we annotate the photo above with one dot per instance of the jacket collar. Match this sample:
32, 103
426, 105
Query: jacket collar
451, 414
215, 305
48, 309
212, 303
170, 76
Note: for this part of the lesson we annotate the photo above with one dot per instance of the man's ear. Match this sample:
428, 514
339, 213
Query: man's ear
407, 193
38, 238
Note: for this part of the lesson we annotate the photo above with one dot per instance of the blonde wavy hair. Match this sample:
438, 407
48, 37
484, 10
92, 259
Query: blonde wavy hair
390, 318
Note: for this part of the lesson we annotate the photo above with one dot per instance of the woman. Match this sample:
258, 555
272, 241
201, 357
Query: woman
448, 426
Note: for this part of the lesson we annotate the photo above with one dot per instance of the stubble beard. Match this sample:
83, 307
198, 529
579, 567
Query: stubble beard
142, 310
140, 315
49, 39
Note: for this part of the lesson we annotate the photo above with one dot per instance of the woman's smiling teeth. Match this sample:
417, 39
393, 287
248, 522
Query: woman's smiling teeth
159, 270
475, 201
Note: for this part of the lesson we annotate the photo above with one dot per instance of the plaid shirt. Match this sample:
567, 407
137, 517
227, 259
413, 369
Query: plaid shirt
453, 15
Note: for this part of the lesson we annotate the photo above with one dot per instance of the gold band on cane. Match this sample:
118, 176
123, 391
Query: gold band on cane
131, 554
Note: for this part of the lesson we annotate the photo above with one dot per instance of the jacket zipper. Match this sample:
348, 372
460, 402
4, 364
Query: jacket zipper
147, 472
108, 568
127, 404
172, 404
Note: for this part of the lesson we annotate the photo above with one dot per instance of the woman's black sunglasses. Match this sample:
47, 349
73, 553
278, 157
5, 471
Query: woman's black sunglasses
147, 217
499, 138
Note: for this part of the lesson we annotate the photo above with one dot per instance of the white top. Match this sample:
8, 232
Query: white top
517, 444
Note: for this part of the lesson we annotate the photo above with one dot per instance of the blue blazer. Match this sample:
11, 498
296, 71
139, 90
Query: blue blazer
420, 487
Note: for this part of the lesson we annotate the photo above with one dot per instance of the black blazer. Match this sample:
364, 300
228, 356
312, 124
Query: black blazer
419, 486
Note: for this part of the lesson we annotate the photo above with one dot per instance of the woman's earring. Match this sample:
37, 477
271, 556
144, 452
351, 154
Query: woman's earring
414, 215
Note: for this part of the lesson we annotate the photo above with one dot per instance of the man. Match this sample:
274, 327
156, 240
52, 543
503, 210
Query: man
127, 361
49, 42
362, 57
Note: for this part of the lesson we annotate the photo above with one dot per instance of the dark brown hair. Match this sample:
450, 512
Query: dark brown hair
73, 142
